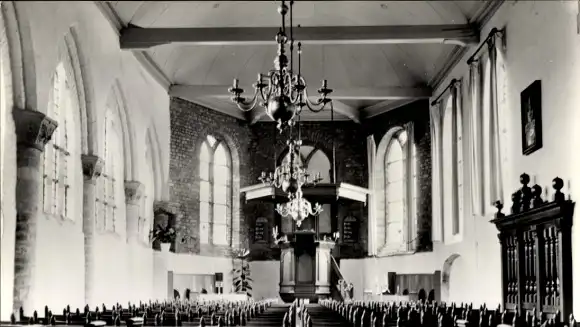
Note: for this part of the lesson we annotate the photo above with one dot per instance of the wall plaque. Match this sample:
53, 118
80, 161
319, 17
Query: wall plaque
260, 230
350, 230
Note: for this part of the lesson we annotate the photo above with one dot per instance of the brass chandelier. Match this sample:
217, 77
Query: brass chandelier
283, 93
291, 176
298, 208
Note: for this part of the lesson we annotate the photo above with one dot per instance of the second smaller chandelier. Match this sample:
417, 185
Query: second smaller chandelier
291, 176
298, 208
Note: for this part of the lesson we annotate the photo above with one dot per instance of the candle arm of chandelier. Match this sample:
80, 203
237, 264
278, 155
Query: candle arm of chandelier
321, 103
241, 102
261, 89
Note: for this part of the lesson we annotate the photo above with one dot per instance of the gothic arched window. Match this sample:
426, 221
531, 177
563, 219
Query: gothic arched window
215, 192
315, 161
5, 103
146, 216
61, 164
395, 189
111, 184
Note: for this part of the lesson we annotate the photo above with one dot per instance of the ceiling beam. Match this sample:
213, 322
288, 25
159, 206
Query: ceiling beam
351, 113
346, 110
256, 114
384, 106
151, 66
134, 37
340, 108
357, 93
111, 15
479, 19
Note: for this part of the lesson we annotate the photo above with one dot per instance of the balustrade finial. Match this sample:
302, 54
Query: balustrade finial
558, 184
499, 207
516, 201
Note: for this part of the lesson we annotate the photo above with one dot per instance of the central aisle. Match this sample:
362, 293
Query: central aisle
273, 316
322, 316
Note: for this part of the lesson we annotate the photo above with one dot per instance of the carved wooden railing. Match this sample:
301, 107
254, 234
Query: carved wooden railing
536, 252
340, 282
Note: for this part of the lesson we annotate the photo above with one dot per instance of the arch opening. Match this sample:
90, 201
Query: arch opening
446, 276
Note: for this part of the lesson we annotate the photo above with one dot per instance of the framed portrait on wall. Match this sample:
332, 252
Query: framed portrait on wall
531, 107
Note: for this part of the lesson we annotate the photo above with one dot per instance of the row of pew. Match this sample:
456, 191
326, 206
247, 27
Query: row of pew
297, 315
169, 313
433, 314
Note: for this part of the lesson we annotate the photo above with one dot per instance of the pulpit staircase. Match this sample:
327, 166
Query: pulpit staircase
336, 276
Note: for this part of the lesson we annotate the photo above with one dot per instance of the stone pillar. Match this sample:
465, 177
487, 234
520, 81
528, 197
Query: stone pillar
92, 169
33, 130
133, 194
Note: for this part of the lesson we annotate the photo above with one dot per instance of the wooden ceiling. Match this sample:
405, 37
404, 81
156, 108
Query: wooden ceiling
376, 55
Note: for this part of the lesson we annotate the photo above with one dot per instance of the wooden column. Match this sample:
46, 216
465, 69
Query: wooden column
323, 267
33, 131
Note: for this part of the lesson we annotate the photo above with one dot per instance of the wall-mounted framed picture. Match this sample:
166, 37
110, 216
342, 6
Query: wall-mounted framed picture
531, 106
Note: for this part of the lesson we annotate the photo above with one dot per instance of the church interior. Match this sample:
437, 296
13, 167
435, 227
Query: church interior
290, 163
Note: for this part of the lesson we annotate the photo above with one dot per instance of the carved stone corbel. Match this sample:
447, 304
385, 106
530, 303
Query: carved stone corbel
92, 166
33, 128
133, 192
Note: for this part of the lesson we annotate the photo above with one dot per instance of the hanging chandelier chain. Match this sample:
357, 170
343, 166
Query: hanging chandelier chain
283, 93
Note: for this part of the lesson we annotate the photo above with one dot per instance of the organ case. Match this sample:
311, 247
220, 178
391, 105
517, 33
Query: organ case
536, 252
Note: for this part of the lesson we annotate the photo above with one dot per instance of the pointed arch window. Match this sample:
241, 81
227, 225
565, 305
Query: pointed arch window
61, 154
110, 187
5, 103
453, 162
146, 216
395, 190
315, 161
215, 192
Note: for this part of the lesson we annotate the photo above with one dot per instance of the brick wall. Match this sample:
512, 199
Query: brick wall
254, 149
418, 112
190, 125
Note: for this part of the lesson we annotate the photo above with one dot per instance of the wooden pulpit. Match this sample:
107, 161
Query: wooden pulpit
305, 267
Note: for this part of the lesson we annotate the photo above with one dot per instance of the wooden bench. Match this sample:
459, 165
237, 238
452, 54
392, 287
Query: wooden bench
150, 314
